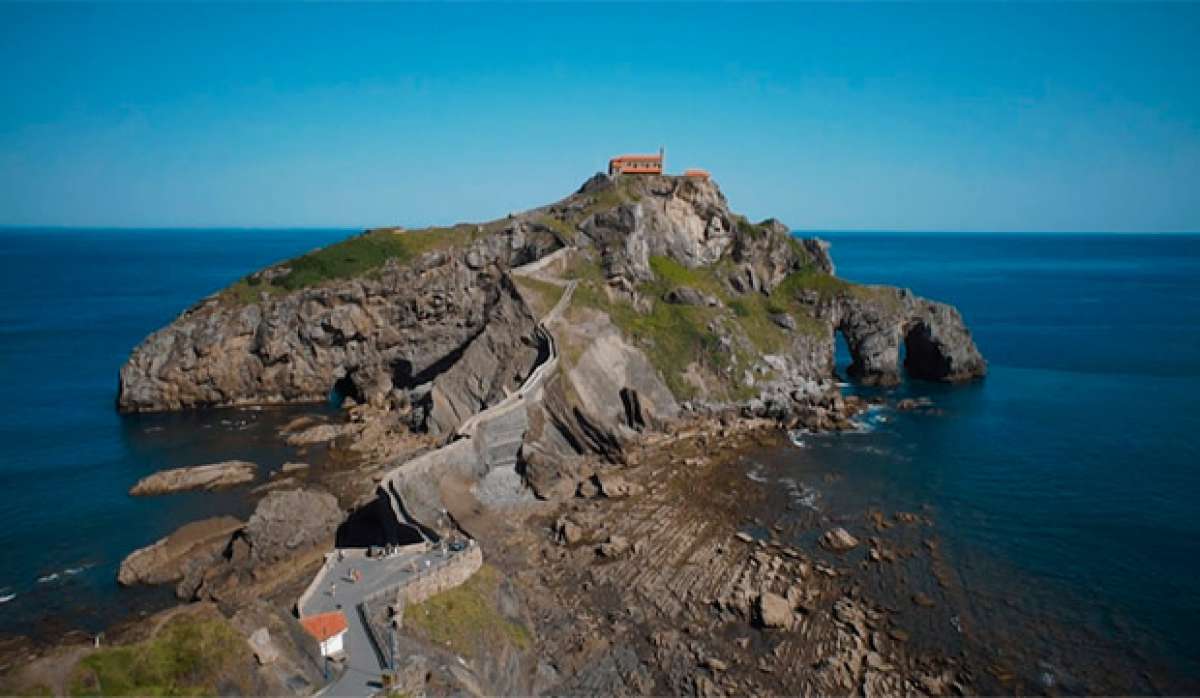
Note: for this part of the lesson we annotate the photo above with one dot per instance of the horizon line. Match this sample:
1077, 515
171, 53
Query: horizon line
794, 231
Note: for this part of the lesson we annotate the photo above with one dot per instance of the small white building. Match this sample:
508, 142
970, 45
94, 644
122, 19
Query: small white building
329, 629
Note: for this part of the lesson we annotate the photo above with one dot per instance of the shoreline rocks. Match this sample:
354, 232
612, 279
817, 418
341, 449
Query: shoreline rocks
196, 477
287, 529
838, 540
165, 560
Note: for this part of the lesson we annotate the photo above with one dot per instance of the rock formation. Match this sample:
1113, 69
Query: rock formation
493, 364
937, 343
165, 560
682, 305
360, 337
195, 477
288, 520
289, 528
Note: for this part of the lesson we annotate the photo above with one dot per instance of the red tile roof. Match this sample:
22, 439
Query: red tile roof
325, 625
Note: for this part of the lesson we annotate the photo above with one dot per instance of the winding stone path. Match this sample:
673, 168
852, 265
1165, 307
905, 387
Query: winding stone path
493, 436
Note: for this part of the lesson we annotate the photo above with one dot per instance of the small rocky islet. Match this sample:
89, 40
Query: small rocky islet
631, 342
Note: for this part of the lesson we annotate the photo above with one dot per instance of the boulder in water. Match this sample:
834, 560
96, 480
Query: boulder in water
197, 477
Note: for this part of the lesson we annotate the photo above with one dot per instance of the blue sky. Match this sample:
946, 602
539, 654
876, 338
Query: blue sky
1074, 117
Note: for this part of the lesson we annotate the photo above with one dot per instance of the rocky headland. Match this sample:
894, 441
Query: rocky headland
387, 318
571, 386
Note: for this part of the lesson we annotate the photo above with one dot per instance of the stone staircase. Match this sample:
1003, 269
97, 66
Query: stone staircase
498, 440
493, 435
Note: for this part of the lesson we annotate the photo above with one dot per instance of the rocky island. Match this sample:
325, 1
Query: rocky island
571, 388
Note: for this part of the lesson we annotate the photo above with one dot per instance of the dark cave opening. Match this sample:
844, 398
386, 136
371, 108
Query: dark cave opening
343, 388
842, 359
921, 357
375, 524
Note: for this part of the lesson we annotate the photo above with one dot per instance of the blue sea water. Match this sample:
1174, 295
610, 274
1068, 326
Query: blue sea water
73, 303
1064, 485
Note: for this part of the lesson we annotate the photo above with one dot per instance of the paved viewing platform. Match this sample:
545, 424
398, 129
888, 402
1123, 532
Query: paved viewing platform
350, 578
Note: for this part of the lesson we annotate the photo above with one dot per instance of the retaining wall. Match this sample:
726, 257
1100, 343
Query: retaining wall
330, 560
443, 575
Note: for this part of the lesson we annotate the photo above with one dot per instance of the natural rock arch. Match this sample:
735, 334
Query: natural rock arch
876, 324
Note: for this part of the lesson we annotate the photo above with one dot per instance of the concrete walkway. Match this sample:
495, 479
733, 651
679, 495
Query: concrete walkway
363, 665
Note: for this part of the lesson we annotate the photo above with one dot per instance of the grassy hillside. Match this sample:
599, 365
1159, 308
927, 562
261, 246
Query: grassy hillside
188, 656
678, 339
353, 257
466, 619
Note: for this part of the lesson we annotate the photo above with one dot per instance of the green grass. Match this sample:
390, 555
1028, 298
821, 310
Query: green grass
564, 231
811, 279
672, 336
670, 274
366, 253
611, 197
465, 619
352, 257
751, 230
187, 657
675, 336
541, 295
360, 254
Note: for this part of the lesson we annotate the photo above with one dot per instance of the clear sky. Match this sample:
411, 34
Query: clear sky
1072, 117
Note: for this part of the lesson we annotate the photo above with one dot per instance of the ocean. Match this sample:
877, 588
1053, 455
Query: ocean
1063, 485
73, 303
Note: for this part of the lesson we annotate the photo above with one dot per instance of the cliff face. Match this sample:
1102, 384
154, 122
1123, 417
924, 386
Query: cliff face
393, 329
692, 304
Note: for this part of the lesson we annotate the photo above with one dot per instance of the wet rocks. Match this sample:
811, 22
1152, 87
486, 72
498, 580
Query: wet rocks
913, 403
196, 477
164, 560
838, 540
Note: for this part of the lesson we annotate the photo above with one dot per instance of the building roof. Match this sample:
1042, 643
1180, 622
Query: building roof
325, 625
636, 157
696, 172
